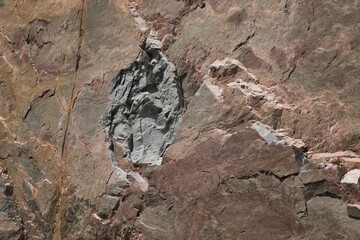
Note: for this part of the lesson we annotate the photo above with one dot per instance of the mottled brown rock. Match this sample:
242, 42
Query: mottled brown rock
237, 168
56, 66
320, 210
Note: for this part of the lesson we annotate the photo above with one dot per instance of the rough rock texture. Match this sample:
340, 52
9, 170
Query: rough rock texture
145, 107
10, 222
179, 119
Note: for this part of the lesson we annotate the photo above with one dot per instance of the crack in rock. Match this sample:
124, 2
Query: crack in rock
145, 103
280, 177
246, 41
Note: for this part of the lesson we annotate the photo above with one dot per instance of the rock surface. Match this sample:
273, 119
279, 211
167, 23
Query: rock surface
179, 119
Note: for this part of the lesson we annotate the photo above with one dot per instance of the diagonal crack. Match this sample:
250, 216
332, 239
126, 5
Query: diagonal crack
288, 73
331, 61
292, 70
239, 45
46, 93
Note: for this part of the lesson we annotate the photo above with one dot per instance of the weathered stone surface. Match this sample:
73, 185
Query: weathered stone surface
107, 206
56, 66
204, 184
313, 175
247, 110
329, 215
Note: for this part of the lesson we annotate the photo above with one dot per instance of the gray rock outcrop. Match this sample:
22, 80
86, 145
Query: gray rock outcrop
145, 106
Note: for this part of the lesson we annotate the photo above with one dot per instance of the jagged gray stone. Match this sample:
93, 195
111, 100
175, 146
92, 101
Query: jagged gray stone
145, 106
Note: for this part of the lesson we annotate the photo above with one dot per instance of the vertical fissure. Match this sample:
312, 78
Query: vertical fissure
75, 75
59, 212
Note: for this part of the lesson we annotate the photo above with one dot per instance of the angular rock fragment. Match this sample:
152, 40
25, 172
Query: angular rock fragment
267, 134
313, 175
271, 136
353, 210
107, 206
351, 177
225, 68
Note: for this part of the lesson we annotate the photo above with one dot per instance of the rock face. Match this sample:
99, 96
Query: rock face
196, 119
